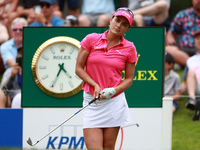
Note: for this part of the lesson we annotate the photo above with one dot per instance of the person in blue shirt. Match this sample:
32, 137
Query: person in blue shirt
46, 17
9, 48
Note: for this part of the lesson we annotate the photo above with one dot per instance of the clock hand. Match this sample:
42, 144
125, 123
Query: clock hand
66, 72
54, 81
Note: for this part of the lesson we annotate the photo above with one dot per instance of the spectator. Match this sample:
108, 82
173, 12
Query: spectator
96, 13
4, 34
172, 82
150, 12
27, 7
120, 3
193, 74
71, 21
73, 5
12, 81
24, 9
185, 23
46, 17
6, 8
9, 48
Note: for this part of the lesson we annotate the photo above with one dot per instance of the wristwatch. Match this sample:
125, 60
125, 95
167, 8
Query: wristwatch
53, 67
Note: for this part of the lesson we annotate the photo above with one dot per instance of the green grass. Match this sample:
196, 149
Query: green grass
185, 131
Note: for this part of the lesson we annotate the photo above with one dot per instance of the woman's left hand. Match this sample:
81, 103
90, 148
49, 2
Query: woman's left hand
108, 92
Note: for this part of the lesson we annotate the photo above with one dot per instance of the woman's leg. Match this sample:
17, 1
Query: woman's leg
93, 138
110, 137
191, 82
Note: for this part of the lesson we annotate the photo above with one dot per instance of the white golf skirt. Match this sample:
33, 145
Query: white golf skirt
111, 112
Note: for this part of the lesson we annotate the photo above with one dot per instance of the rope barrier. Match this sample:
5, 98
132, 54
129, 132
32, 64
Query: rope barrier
5, 90
12, 91
197, 96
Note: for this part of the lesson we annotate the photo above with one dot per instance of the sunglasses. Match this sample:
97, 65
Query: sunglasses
15, 30
126, 9
45, 4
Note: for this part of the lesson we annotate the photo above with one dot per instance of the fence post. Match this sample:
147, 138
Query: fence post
167, 124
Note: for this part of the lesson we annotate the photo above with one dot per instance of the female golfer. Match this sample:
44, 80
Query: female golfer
100, 62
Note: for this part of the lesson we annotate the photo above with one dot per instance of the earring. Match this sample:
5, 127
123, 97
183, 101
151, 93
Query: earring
124, 34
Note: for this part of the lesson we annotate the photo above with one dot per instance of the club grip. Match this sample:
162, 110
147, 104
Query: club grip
93, 100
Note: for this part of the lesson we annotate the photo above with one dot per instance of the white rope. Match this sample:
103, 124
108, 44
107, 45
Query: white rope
180, 96
164, 96
11, 90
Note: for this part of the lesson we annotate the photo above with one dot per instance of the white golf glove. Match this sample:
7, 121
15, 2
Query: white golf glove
108, 92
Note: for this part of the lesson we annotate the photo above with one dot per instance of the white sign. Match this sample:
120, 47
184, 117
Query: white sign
37, 122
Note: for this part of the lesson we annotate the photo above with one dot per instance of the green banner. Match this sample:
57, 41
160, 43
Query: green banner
147, 87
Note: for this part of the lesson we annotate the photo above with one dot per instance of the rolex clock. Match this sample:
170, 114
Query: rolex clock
53, 67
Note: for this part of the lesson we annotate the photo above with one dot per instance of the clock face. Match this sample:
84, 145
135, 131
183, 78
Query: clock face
53, 67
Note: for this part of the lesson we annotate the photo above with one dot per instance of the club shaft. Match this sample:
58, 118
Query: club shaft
66, 120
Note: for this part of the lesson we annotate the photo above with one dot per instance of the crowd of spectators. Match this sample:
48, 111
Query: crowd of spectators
180, 41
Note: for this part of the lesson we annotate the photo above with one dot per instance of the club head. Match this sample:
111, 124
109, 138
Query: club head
29, 141
137, 125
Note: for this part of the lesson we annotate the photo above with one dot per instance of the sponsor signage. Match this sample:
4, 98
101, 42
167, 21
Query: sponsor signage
148, 79
37, 122
16, 125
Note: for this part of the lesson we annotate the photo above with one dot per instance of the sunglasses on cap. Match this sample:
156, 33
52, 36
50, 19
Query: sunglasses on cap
15, 30
45, 4
126, 9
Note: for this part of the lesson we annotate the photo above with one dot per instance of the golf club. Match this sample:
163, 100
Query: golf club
29, 141
134, 124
